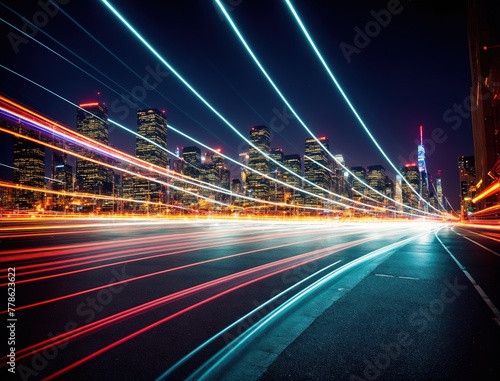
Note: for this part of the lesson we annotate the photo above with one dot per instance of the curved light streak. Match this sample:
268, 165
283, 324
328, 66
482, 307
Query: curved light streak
254, 274
209, 367
207, 104
183, 360
147, 166
339, 88
192, 139
369, 198
256, 60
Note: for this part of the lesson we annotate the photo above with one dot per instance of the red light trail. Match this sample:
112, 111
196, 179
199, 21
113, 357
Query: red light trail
230, 282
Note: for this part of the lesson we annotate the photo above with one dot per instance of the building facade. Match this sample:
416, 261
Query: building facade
317, 171
258, 186
92, 122
151, 146
29, 170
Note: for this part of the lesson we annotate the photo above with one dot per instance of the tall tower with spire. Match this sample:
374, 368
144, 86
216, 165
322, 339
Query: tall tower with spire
424, 186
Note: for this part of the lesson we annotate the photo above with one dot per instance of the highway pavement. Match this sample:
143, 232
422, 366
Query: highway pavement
109, 299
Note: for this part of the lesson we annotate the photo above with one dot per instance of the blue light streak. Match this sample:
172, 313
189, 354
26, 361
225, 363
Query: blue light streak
275, 87
205, 102
339, 88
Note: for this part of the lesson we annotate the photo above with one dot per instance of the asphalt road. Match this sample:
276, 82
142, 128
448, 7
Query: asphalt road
247, 300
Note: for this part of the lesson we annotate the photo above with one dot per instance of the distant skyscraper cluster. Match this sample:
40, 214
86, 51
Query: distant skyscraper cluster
195, 180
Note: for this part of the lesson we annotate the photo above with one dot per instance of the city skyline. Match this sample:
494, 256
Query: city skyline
154, 180
247, 110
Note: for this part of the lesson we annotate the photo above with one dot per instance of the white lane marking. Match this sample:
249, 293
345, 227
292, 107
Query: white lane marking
478, 244
397, 276
478, 288
385, 275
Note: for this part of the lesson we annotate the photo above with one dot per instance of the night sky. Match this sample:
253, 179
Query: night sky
413, 71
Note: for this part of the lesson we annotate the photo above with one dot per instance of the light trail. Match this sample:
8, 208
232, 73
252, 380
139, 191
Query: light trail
206, 103
58, 54
173, 249
358, 117
213, 150
144, 225
369, 198
232, 348
209, 106
205, 146
266, 202
6, 184
101, 148
260, 273
275, 87
124, 253
112, 167
68, 134
141, 78
317, 254
244, 318
220, 189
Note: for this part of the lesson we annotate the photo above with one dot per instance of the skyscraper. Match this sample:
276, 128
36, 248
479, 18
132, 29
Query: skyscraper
29, 170
424, 186
412, 175
152, 126
191, 157
151, 146
484, 53
294, 164
316, 170
62, 180
376, 179
213, 171
439, 191
91, 121
257, 185
467, 171
339, 185
62, 172
358, 187
276, 173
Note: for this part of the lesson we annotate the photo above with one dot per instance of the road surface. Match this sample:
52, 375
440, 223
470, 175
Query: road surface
193, 299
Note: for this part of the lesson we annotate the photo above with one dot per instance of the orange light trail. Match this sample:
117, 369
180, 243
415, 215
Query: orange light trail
181, 248
267, 270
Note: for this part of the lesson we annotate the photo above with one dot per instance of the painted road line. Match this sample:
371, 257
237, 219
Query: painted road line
478, 288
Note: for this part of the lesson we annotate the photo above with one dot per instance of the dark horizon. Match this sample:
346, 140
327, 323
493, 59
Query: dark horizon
414, 71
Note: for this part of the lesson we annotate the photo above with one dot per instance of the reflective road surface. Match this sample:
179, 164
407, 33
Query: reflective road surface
103, 299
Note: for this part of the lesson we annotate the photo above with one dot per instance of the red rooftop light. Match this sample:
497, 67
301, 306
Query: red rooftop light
93, 104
